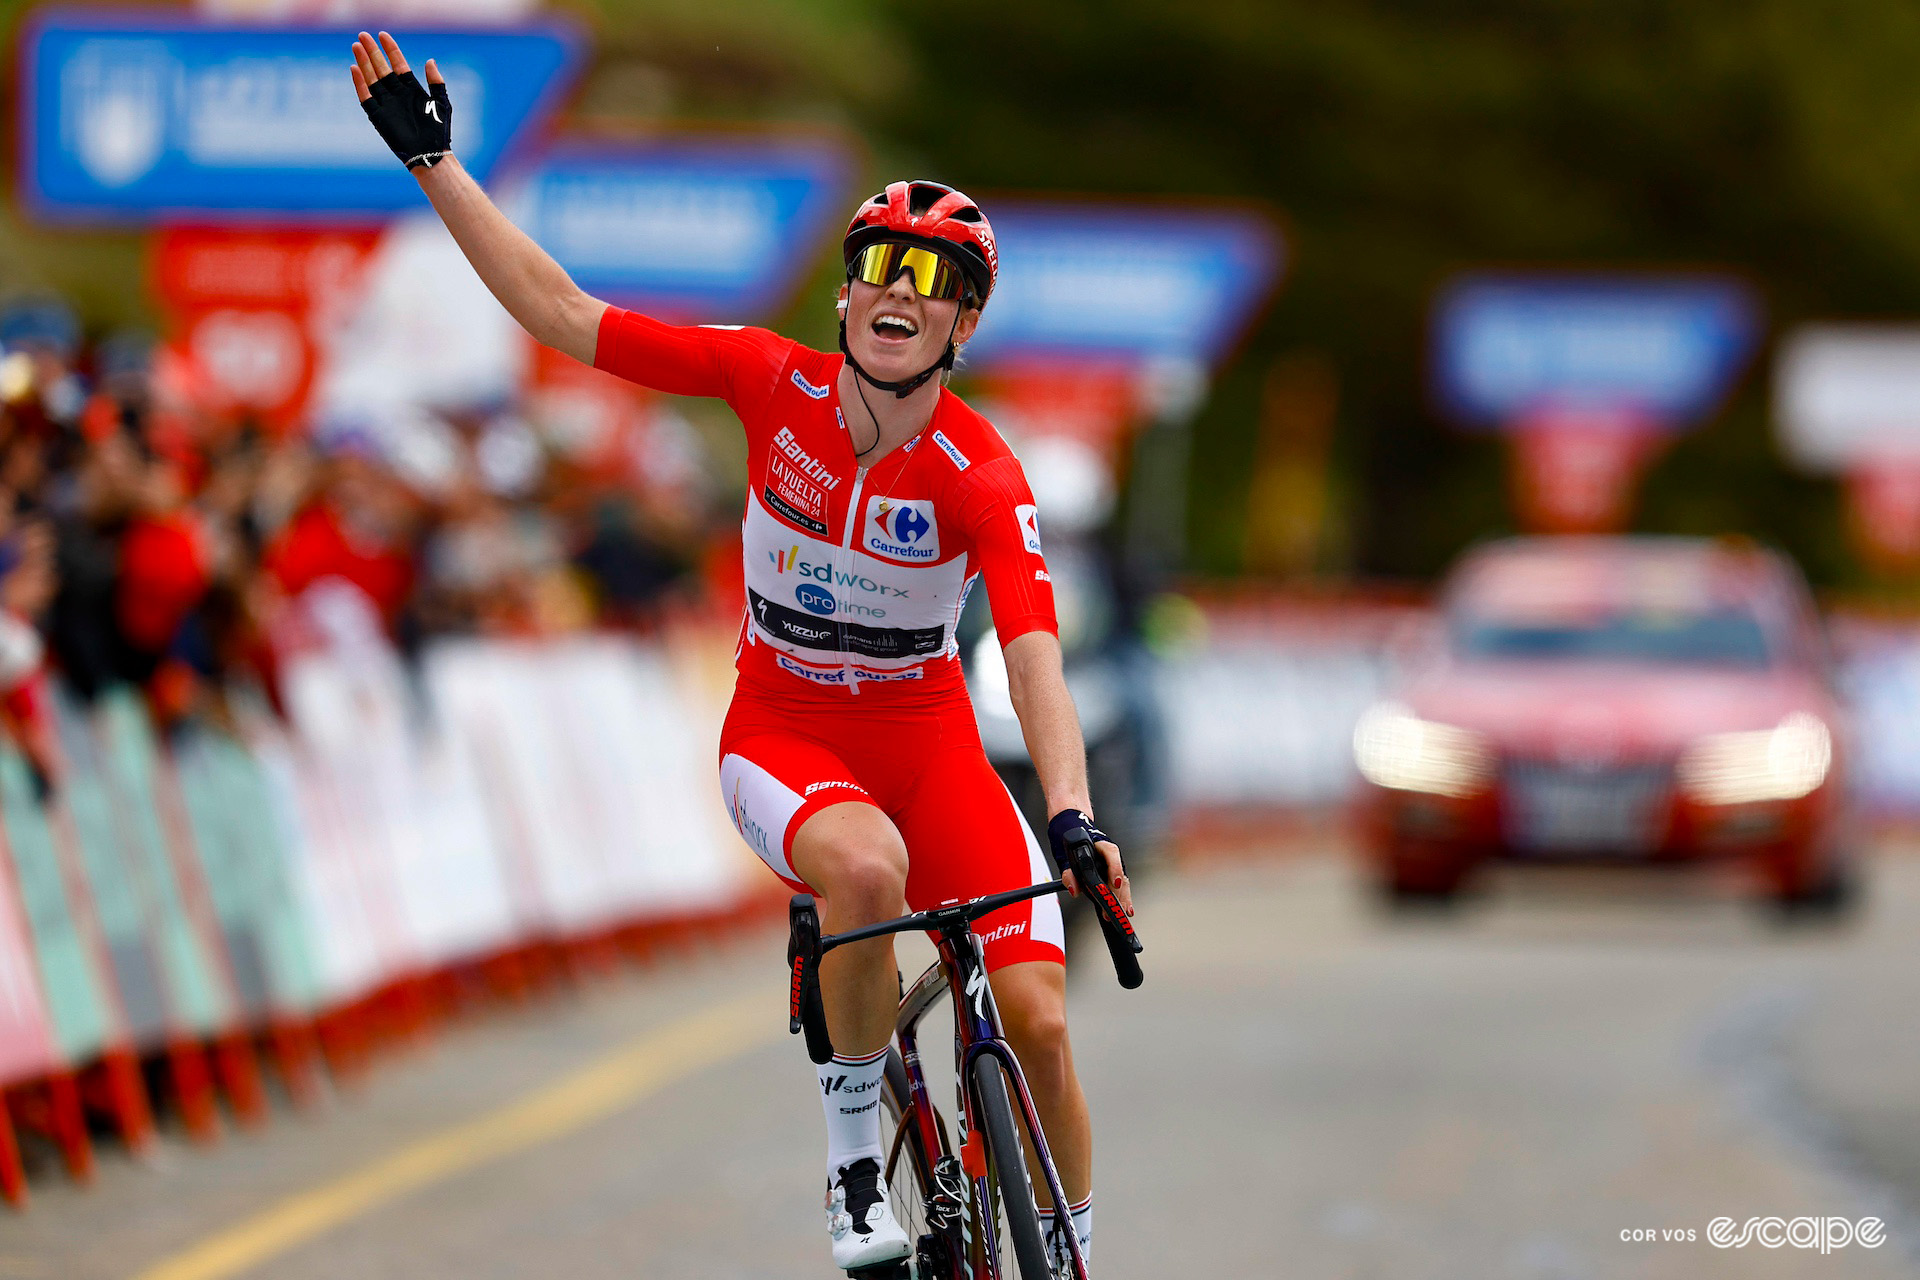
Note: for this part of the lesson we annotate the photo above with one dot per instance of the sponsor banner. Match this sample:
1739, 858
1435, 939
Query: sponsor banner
251, 313
1574, 472
390, 11
1667, 348
79, 995
694, 230
1883, 512
1847, 396
1089, 402
143, 115
1129, 283
27, 1046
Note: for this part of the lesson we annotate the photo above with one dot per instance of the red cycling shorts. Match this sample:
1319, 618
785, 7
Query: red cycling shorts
924, 768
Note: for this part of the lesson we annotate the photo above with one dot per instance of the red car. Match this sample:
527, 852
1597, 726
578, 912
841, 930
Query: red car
1629, 700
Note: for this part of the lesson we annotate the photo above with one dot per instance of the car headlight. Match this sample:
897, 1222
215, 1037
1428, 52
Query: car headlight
1395, 748
1782, 763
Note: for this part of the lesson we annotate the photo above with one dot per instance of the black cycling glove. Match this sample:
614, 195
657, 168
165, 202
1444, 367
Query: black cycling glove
1065, 821
416, 120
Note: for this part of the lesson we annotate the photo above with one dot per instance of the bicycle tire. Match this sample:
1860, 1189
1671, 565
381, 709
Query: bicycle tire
1009, 1161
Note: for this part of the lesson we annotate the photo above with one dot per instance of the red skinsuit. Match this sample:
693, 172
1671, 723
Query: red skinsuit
850, 687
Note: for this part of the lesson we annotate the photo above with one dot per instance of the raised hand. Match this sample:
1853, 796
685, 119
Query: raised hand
415, 122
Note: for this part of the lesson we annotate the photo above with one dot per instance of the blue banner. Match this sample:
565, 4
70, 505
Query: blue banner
1666, 348
1112, 282
690, 229
141, 116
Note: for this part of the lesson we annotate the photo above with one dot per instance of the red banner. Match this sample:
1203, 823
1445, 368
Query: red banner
248, 312
1094, 404
1883, 501
1575, 470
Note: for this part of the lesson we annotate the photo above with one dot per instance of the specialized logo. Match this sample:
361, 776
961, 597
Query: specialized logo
947, 447
821, 474
1029, 517
818, 393
901, 529
814, 599
977, 991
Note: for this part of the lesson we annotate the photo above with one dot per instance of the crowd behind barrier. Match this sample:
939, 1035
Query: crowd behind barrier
304, 886
306, 736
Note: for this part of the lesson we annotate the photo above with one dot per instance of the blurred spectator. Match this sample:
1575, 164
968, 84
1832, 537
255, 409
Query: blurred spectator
153, 541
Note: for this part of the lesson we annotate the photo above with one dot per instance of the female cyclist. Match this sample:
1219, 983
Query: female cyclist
850, 760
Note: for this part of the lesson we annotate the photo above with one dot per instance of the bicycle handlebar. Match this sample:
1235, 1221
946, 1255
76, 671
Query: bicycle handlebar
806, 944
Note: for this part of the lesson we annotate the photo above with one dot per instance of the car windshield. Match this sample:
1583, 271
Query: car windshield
1725, 637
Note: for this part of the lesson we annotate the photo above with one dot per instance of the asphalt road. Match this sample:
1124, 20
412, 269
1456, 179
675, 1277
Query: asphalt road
1304, 1088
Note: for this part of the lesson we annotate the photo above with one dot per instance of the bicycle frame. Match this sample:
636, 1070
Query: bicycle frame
961, 973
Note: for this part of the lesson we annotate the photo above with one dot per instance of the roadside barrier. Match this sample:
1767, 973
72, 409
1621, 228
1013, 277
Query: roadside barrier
305, 889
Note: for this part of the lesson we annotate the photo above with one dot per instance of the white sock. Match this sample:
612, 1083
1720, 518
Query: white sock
850, 1096
1082, 1216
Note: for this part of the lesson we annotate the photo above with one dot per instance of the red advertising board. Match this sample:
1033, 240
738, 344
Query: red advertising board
26, 1040
248, 311
1574, 472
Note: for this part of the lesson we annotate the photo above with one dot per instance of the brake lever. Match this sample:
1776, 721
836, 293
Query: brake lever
1123, 941
806, 1012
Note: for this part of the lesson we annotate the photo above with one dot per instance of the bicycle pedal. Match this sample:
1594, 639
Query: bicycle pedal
898, 1269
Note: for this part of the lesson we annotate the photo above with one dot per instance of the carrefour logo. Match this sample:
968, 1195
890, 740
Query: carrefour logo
814, 599
902, 529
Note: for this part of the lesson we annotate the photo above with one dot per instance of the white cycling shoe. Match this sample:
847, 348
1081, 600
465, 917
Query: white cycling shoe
860, 1219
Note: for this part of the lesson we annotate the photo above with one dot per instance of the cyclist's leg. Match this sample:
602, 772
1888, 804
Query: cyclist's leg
852, 854
797, 804
969, 839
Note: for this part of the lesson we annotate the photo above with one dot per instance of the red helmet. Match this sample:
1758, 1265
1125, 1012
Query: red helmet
936, 214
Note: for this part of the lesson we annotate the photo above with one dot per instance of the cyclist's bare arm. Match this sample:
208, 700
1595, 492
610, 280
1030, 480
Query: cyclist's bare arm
533, 288
1037, 682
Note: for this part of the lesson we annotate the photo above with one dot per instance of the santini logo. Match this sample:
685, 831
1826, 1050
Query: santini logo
818, 472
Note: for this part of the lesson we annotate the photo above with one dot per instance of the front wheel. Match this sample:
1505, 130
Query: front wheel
1019, 1213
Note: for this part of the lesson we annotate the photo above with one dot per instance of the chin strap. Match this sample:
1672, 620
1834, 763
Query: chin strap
901, 390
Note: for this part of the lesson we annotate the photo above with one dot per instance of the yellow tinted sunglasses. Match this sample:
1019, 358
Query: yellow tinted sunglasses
933, 276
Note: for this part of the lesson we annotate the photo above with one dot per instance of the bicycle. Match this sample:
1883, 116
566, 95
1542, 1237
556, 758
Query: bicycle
954, 1204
